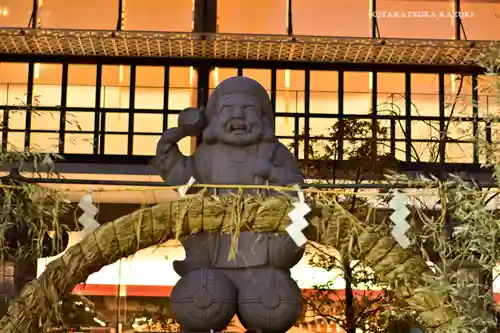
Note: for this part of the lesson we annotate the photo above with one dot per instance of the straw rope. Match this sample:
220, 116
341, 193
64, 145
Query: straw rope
332, 225
418, 192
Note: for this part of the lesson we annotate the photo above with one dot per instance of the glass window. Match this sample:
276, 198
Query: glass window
425, 94
391, 101
458, 104
115, 90
115, 144
159, 15
182, 90
289, 99
45, 120
47, 80
391, 83
415, 19
148, 122
80, 121
116, 122
263, 76
330, 18
79, 143
488, 89
252, 17
479, 18
81, 86
220, 74
186, 145
391, 93
357, 101
13, 83
458, 95
182, 94
47, 91
7, 283
15, 141
149, 87
324, 81
324, 92
17, 119
459, 152
324, 100
145, 145
81, 126
15, 13
357, 93
44, 142
425, 102
90, 14
81, 93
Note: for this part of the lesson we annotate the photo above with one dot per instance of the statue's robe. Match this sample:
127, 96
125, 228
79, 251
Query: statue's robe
223, 164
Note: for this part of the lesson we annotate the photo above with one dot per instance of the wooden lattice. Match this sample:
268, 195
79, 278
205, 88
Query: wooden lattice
239, 47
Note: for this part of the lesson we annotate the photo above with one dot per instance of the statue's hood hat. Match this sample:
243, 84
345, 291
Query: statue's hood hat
241, 85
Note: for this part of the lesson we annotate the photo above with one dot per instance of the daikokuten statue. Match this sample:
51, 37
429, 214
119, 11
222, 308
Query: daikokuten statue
238, 147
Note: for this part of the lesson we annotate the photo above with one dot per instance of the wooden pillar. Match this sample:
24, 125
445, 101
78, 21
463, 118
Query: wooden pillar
205, 21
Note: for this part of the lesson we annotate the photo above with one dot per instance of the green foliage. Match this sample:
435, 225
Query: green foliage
459, 234
359, 141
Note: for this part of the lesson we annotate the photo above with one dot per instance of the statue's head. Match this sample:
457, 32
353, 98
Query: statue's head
239, 113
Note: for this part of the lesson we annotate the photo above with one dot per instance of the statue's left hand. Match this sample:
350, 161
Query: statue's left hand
262, 168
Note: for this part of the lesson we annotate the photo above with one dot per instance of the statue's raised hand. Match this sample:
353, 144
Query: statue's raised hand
191, 121
171, 135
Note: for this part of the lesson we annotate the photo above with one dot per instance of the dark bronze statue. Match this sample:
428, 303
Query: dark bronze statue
239, 146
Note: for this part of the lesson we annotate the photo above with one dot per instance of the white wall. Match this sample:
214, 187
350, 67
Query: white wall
153, 267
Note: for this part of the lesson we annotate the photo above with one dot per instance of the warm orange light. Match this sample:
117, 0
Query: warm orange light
287, 78
36, 71
120, 77
5, 12
287, 92
191, 76
192, 22
452, 17
216, 76
287, 18
123, 14
370, 81
121, 69
39, 18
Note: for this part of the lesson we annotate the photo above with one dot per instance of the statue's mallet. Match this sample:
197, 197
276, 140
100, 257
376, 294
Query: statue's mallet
192, 121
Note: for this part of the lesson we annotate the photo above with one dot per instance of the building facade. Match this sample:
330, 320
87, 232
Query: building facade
99, 81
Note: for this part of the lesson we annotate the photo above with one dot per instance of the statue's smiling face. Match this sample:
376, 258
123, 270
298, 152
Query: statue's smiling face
240, 121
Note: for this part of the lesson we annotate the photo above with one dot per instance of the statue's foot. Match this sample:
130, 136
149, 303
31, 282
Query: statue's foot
269, 300
204, 301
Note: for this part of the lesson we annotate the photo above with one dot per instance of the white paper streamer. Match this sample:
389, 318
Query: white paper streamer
183, 189
89, 212
297, 215
401, 226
